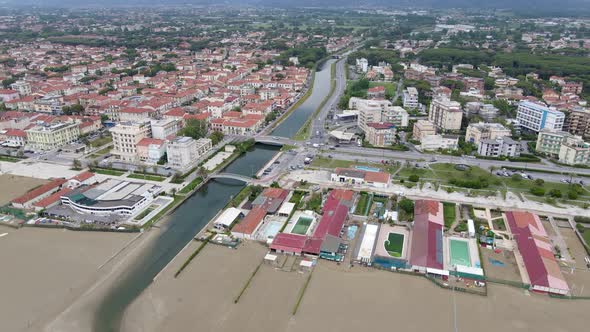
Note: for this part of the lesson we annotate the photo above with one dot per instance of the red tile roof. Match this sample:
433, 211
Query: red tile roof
83, 176
45, 202
31, 195
149, 141
289, 242
250, 222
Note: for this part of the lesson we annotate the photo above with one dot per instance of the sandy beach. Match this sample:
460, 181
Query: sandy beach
337, 299
44, 270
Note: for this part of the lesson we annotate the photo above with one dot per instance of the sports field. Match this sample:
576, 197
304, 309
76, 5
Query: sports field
394, 244
460, 253
302, 225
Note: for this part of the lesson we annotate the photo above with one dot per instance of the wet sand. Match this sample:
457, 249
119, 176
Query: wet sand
14, 186
43, 270
337, 299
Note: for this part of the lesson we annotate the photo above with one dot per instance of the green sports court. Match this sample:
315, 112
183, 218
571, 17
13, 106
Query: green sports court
394, 244
459, 251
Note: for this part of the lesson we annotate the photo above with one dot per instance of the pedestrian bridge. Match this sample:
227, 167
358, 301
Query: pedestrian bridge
233, 176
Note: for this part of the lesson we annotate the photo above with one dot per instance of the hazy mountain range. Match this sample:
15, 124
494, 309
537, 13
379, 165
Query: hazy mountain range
573, 6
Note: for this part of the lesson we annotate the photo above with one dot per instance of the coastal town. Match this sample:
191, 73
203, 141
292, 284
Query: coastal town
284, 165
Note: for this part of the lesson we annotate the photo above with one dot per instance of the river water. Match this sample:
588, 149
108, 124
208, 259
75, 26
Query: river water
189, 218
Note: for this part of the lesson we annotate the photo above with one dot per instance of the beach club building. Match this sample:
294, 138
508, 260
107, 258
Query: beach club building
392, 247
268, 202
427, 238
536, 250
27, 200
375, 179
325, 240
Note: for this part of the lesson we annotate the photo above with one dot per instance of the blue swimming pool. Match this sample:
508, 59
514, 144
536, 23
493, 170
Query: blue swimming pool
272, 229
351, 231
368, 169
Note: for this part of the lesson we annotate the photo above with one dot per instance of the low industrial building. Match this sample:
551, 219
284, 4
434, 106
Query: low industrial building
427, 254
375, 179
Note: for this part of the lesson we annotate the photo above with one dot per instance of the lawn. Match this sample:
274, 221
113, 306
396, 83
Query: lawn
323, 162
106, 171
144, 213
297, 197
101, 141
361, 205
315, 203
9, 159
586, 236
394, 244
423, 173
148, 177
449, 213
192, 185
101, 152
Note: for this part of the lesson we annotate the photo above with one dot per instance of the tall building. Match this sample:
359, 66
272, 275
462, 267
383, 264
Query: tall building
535, 117
574, 151
549, 141
374, 111
479, 131
184, 151
445, 114
23, 88
410, 97
577, 122
500, 147
126, 135
423, 128
52, 135
380, 134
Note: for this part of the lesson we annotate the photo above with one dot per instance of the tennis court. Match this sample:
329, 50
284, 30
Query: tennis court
459, 251
394, 244
302, 225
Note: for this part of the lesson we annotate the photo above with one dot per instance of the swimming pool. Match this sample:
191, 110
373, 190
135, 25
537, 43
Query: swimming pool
271, 229
459, 251
302, 225
368, 169
351, 231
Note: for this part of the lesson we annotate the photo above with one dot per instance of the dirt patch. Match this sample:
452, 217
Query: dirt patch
579, 279
14, 186
500, 265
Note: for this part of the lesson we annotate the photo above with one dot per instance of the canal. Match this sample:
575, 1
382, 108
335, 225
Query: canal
189, 218
321, 88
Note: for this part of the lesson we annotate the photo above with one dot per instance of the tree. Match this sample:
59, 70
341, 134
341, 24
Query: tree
216, 137
516, 177
538, 191
173, 192
76, 164
194, 128
539, 182
556, 193
407, 205
275, 184
414, 178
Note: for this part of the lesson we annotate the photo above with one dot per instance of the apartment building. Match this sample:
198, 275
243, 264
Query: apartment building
183, 151
477, 132
23, 88
574, 151
535, 117
549, 141
577, 122
499, 147
161, 129
126, 136
435, 142
380, 134
445, 114
52, 136
150, 150
375, 111
423, 128
410, 98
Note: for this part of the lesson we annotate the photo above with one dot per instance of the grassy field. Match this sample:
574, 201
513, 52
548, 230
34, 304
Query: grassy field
101, 141
449, 213
586, 236
323, 162
361, 206
148, 177
192, 185
106, 171
144, 213
9, 159
394, 244
423, 173
101, 152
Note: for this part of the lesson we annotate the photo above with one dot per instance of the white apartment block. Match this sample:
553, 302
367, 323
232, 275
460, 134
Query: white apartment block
535, 117
500, 147
482, 130
126, 135
23, 88
549, 141
374, 111
161, 129
445, 114
362, 65
184, 151
52, 136
410, 98
435, 142
574, 151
